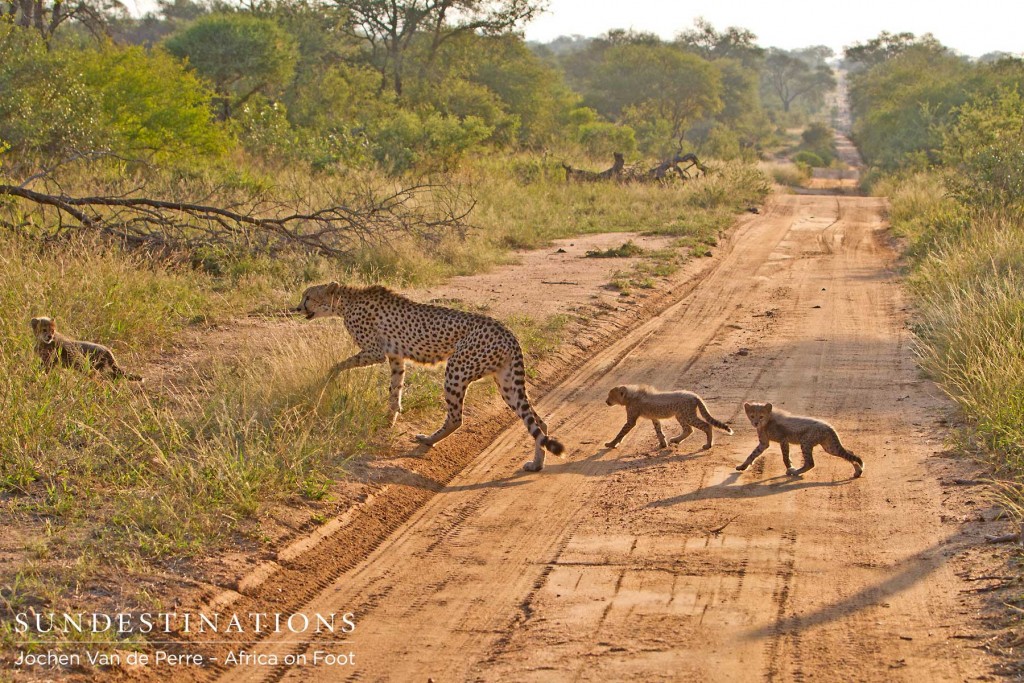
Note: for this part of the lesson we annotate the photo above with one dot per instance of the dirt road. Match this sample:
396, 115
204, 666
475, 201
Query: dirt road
647, 564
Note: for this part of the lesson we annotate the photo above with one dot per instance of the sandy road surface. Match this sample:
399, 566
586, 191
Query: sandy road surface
607, 566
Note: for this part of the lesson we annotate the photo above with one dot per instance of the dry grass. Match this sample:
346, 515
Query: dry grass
116, 475
786, 173
967, 279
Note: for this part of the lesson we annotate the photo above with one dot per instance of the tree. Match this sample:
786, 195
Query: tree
239, 53
789, 77
393, 27
657, 87
46, 16
901, 105
733, 43
885, 46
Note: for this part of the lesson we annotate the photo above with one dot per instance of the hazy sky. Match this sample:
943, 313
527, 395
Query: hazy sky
972, 27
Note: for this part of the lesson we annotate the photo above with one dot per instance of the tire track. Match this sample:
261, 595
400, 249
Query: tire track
602, 567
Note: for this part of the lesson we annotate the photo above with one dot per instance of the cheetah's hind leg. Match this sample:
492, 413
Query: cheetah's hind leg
458, 375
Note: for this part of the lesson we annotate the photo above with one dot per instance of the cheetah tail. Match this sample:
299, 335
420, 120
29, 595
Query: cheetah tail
553, 445
712, 421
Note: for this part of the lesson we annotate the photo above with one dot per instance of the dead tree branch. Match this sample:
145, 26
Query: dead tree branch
584, 176
679, 163
422, 211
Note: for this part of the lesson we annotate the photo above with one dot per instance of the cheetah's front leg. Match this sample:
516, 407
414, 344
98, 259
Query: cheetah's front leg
630, 423
397, 381
360, 360
753, 456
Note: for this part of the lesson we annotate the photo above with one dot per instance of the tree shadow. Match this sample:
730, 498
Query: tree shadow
912, 570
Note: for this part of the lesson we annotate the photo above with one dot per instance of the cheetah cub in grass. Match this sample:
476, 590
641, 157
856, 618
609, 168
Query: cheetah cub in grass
56, 349
777, 425
648, 402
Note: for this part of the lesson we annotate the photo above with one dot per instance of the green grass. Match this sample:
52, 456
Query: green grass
127, 477
967, 275
626, 250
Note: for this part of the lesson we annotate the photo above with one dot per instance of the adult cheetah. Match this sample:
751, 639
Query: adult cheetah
388, 326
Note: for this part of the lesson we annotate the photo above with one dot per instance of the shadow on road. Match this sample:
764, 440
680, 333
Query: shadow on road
758, 489
910, 571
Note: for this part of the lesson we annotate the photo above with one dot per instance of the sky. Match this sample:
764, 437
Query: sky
971, 27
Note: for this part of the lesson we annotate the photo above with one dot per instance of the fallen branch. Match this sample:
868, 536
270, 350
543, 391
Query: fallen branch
1004, 538
660, 173
680, 164
334, 230
584, 176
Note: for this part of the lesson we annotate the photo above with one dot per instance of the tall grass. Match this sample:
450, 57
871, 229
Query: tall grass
968, 281
970, 290
127, 475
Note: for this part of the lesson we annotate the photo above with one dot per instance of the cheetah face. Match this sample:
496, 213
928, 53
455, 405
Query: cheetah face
758, 413
319, 300
44, 329
616, 396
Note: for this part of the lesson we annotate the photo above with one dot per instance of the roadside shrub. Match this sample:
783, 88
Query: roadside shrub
809, 159
985, 149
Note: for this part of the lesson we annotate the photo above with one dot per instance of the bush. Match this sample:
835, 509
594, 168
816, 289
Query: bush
809, 158
433, 142
45, 109
985, 148
149, 105
133, 103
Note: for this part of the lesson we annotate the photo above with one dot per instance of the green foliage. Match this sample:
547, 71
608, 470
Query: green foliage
901, 105
601, 138
734, 44
809, 158
45, 110
435, 140
148, 104
129, 102
263, 129
817, 146
885, 46
525, 100
656, 88
984, 149
239, 53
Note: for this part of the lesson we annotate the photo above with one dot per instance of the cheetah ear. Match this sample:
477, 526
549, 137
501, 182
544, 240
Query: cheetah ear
333, 287
746, 406
34, 323
768, 407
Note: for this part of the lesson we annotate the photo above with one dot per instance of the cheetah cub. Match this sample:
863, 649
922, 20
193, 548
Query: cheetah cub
777, 425
648, 402
54, 348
